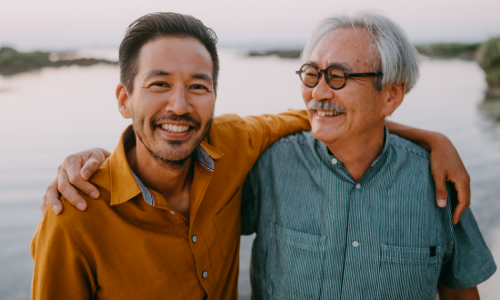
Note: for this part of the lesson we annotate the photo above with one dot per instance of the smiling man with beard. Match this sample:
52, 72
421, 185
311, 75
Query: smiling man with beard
150, 235
166, 222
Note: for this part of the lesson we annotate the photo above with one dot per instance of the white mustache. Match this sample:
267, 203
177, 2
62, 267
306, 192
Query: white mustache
324, 105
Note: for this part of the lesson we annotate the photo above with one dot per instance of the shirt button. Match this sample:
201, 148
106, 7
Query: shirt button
172, 212
358, 186
194, 238
205, 274
355, 243
334, 161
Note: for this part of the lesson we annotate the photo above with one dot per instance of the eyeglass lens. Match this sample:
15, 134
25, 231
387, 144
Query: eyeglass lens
310, 76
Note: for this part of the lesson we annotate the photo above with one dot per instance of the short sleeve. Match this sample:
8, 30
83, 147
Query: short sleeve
469, 261
249, 206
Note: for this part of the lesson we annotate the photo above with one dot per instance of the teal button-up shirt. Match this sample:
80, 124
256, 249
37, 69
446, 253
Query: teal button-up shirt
321, 235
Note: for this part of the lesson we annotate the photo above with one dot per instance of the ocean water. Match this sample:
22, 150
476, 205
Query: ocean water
48, 114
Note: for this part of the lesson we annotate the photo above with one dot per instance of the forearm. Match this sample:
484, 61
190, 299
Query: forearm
446, 293
266, 129
423, 138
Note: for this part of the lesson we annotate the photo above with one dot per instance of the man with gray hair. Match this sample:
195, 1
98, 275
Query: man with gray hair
347, 210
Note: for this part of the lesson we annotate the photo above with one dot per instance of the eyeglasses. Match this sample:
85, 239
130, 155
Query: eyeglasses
335, 76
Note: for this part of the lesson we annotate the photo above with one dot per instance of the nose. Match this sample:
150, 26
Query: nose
178, 103
322, 90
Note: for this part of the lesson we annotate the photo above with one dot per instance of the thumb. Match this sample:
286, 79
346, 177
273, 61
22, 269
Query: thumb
89, 168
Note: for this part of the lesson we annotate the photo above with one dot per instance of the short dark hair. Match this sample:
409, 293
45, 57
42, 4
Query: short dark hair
163, 24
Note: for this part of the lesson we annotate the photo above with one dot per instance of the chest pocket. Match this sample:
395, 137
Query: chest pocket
409, 273
294, 264
228, 224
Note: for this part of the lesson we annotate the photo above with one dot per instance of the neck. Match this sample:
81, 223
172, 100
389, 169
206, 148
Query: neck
358, 152
169, 181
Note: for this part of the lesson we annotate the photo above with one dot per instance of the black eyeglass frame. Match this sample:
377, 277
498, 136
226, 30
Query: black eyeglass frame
325, 73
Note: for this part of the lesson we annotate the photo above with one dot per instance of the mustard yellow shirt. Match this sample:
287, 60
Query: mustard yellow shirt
123, 247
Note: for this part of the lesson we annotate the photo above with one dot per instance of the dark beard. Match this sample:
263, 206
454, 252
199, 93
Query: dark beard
175, 165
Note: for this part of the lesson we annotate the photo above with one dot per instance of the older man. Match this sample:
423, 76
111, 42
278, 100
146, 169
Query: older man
167, 220
347, 211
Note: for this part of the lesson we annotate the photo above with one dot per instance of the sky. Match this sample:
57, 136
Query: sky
59, 25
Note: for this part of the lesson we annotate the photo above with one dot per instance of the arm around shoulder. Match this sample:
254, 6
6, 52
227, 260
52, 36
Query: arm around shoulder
266, 129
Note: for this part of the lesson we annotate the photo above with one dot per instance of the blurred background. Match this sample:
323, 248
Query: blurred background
58, 74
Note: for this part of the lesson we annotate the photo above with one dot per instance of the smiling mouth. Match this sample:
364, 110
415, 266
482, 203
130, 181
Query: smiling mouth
323, 113
175, 128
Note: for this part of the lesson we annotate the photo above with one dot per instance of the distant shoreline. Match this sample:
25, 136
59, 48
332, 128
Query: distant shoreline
13, 62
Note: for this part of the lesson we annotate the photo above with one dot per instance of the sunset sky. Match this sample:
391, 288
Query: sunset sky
66, 25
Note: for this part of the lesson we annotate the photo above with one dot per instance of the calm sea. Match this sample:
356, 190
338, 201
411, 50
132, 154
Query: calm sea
48, 114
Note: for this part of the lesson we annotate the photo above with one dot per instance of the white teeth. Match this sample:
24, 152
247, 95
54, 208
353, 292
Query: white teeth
174, 128
323, 113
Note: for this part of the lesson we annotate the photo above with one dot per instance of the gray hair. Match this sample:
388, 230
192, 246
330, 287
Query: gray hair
398, 58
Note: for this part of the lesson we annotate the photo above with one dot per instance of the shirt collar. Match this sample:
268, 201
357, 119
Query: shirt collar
329, 157
205, 154
126, 185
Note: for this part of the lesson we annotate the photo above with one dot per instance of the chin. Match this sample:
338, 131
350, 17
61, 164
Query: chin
324, 135
176, 151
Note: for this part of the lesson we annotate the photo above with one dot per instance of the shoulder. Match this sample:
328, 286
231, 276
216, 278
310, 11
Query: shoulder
79, 223
291, 145
299, 138
291, 151
408, 148
226, 126
225, 118
101, 178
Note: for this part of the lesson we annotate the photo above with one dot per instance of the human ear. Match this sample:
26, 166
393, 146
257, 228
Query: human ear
123, 101
394, 95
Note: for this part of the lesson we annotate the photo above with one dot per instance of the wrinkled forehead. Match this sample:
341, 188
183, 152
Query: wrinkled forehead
353, 48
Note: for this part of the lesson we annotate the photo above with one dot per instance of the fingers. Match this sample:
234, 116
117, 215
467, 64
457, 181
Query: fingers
441, 192
462, 185
89, 168
52, 197
68, 191
70, 171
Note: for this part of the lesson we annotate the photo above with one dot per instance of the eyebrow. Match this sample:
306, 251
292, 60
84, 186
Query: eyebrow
342, 64
154, 73
202, 76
